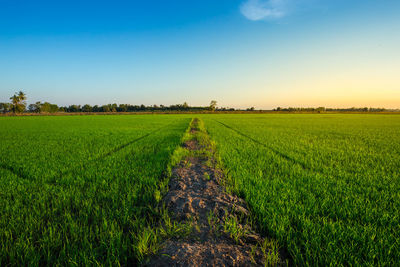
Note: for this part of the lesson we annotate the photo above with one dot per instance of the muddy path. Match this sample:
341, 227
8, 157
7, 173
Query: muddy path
221, 231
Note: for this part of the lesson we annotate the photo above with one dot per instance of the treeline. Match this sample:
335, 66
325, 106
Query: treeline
47, 107
323, 109
18, 105
139, 108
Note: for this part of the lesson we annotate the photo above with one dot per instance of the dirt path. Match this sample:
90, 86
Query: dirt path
221, 234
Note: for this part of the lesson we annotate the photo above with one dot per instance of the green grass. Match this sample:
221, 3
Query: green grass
83, 190
326, 186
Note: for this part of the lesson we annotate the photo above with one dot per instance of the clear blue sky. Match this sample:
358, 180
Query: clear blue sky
239, 52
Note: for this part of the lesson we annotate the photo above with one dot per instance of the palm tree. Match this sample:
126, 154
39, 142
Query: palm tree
14, 102
17, 102
22, 96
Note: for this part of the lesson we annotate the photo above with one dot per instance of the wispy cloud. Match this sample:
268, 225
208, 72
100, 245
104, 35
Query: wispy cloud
264, 9
275, 9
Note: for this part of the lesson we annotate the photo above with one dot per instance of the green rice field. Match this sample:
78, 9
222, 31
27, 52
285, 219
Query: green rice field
84, 190
326, 186
81, 190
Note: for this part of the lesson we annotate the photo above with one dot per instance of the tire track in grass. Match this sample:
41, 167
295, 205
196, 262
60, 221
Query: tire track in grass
114, 150
21, 174
286, 157
282, 155
118, 148
15, 170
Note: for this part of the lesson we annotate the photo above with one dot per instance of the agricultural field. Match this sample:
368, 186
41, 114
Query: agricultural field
326, 186
82, 189
85, 190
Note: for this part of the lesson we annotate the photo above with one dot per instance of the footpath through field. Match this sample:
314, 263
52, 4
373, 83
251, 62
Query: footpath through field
221, 233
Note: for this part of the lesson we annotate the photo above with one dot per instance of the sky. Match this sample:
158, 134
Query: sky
241, 53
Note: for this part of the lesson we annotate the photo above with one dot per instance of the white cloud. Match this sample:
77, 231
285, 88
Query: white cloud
264, 9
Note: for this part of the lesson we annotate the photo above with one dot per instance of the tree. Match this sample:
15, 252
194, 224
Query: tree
95, 108
123, 108
31, 108
45, 107
18, 103
54, 108
106, 108
114, 107
213, 105
37, 107
87, 108
74, 108
5, 107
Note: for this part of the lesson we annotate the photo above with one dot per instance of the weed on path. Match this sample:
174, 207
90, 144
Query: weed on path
221, 232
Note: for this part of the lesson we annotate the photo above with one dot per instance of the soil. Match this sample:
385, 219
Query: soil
196, 196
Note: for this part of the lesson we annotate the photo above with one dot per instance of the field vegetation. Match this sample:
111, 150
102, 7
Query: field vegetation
85, 190
327, 187
82, 190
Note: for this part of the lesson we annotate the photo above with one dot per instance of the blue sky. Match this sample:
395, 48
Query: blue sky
239, 52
